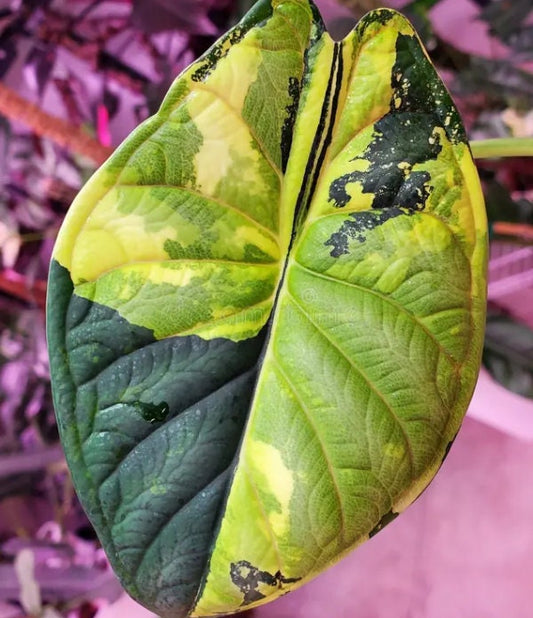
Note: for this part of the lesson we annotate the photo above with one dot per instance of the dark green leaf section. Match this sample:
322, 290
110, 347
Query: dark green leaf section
413, 82
150, 429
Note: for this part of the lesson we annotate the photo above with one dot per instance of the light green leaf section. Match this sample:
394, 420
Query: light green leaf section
211, 295
385, 289
189, 213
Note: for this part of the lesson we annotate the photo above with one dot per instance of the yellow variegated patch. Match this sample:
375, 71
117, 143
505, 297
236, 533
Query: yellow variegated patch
266, 310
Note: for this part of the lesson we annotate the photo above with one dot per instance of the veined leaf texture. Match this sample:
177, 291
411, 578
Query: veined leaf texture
266, 310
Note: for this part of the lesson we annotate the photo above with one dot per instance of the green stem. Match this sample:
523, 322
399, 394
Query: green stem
503, 147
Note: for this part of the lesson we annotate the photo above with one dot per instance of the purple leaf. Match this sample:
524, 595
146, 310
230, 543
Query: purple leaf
188, 15
38, 68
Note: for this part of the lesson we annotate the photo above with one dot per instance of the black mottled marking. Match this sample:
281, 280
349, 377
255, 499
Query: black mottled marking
257, 16
287, 130
404, 137
380, 16
400, 141
220, 50
247, 578
386, 519
318, 25
357, 225
417, 88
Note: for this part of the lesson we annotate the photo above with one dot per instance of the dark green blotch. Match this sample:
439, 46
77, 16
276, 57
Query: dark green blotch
200, 250
150, 430
406, 135
419, 88
256, 255
95, 336
399, 139
380, 16
357, 225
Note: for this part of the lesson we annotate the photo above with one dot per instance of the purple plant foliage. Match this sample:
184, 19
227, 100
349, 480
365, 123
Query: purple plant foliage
67, 568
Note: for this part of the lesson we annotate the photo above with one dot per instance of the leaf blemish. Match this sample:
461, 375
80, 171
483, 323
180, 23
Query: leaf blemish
219, 51
356, 227
153, 413
389, 176
248, 578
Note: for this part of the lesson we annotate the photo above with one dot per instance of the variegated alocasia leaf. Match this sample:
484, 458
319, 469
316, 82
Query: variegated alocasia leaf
266, 310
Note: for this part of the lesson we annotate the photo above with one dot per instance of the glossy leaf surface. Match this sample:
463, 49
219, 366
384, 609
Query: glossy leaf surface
266, 310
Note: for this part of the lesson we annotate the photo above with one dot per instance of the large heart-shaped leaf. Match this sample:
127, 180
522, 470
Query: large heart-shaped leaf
266, 310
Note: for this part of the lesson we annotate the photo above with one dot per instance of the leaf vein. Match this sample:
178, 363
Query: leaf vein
356, 368
303, 408
387, 299
209, 198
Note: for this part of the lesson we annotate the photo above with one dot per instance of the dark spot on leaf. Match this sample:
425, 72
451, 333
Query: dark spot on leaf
252, 253
357, 225
386, 519
380, 16
153, 413
248, 578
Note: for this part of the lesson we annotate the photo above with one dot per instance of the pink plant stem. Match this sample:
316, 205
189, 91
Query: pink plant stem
16, 108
